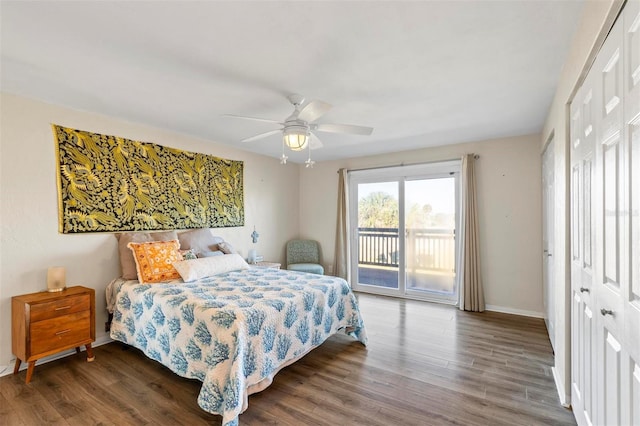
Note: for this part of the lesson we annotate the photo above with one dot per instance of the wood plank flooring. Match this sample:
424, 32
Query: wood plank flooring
426, 364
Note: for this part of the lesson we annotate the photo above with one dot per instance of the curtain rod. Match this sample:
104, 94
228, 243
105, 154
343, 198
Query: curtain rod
475, 156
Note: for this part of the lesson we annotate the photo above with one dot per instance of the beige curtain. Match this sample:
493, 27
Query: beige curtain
471, 292
341, 260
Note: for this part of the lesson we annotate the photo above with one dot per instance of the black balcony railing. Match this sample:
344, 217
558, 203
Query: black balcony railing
431, 249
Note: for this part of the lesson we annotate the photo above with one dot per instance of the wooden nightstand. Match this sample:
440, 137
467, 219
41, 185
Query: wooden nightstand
45, 323
269, 265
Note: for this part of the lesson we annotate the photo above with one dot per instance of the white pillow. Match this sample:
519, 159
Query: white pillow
195, 269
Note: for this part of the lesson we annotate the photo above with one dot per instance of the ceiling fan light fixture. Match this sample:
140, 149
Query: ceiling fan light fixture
296, 138
297, 129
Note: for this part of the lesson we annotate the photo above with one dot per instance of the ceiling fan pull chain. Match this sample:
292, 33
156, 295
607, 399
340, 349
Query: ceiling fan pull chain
284, 158
309, 163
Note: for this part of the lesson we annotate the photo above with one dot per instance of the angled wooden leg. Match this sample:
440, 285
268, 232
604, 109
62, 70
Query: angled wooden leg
30, 368
16, 368
90, 356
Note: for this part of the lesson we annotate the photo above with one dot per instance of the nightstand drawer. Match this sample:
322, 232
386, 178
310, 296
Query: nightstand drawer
56, 308
65, 331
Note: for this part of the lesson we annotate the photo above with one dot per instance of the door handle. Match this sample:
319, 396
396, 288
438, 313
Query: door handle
606, 312
584, 290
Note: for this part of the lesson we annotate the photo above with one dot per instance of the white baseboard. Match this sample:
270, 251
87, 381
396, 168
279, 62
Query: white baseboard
5, 370
521, 312
564, 400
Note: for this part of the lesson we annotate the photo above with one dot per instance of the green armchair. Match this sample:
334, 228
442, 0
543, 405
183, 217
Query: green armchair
304, 256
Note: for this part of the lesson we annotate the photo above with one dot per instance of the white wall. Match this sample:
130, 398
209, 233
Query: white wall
29, 237
591, 30
509, 197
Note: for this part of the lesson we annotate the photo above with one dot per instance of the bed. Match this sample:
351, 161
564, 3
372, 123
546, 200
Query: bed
233, 331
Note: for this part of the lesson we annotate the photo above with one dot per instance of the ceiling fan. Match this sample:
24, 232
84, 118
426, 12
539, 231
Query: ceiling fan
298, 130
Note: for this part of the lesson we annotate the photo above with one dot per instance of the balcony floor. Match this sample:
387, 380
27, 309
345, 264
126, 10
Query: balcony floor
422, 279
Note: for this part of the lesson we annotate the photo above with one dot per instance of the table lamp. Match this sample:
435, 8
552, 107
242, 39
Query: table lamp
56, 278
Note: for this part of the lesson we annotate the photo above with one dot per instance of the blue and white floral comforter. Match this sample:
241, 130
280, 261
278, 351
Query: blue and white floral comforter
234, 331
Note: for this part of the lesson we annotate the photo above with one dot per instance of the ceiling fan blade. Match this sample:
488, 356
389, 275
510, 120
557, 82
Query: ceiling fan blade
314, 110
343, 128
261, 136
315, 142
266, 120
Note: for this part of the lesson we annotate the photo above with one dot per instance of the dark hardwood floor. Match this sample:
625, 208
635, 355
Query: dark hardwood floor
425, 364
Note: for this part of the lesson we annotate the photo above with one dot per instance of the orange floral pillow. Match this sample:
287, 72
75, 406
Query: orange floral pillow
154, 260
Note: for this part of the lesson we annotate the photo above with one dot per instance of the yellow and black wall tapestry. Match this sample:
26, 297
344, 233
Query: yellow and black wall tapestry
108, 183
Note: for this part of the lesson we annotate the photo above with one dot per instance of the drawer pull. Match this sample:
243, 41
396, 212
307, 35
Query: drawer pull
584, 289
63, 331
63, 307
605, 312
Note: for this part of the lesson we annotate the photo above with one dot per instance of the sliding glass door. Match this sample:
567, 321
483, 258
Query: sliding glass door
378, 244
403, 239
430, 230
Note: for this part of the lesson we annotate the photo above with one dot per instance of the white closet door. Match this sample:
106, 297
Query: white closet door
548, 218
613, 365
583, 131
631, 206
605, 231
608, 284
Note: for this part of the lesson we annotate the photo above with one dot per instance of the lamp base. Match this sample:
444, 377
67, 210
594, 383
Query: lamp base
55, 290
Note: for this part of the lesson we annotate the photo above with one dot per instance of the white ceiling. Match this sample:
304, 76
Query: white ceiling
421, 73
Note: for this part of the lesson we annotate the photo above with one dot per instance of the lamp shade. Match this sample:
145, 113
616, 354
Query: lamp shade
56, 278
296, 137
